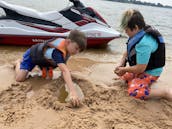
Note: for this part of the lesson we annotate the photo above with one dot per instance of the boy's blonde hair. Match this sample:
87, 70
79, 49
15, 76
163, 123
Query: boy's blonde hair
79, 38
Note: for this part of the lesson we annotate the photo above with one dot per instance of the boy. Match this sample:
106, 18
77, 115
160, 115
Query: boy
145, 55
50, 55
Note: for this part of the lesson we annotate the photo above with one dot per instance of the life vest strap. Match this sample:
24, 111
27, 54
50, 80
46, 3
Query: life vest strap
47, 72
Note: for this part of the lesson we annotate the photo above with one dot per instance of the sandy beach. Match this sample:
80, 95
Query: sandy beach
35, 104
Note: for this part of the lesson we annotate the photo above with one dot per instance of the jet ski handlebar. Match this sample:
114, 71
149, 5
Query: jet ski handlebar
77, 3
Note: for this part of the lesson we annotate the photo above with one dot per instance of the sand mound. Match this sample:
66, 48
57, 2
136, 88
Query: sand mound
102, 108
39, 103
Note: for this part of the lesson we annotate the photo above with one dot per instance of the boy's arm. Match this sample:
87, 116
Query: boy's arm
67, 77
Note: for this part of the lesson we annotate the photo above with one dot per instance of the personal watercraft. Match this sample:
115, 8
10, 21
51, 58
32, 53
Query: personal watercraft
25, 26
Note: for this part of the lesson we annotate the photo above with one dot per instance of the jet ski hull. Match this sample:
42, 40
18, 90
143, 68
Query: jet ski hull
19, 40
25, 26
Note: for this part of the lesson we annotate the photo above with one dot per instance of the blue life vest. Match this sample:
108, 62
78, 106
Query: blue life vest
157, 59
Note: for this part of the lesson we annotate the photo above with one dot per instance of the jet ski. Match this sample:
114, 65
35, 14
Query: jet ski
25, 26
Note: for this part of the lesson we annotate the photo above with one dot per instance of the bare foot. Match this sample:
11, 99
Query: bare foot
168, 94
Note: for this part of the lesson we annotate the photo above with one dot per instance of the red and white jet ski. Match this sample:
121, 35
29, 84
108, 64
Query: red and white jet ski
24, 26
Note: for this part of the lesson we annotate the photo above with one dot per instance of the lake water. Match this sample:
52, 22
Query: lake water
160, 18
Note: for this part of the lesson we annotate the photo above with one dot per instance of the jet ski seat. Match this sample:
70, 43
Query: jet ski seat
48, 16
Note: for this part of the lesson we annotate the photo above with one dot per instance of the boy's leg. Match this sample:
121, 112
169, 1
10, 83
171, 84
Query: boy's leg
23, 67
21, 74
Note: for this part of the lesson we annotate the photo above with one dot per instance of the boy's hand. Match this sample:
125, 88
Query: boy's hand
73, 96
74, 99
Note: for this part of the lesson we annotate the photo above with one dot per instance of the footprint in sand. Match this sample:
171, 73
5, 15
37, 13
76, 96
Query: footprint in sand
6, 76
2, 62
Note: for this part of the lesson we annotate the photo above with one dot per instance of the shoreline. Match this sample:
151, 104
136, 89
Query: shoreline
34, 104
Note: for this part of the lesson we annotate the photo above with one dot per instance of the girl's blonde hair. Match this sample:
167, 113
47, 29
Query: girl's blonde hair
132, 18
125, 18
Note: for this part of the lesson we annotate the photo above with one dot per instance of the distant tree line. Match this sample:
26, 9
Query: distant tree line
142, 3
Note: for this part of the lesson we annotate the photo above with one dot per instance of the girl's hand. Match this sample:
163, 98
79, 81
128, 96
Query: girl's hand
119, 71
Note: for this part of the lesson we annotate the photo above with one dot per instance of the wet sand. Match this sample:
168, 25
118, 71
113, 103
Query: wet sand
35, 104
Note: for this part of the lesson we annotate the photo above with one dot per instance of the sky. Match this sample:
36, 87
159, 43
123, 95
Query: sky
164, 2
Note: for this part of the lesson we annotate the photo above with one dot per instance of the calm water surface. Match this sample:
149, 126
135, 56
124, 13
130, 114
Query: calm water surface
161, 18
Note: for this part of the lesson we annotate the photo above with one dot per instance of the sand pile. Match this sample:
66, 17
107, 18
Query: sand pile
38, 103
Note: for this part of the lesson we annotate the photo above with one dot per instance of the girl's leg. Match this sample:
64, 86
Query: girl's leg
139, 88
164, 92
128, 76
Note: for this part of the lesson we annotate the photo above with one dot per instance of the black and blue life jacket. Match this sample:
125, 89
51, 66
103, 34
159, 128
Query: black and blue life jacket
41, 54
157, 58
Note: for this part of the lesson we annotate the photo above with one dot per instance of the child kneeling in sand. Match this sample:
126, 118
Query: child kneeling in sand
145, 55
50, 55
